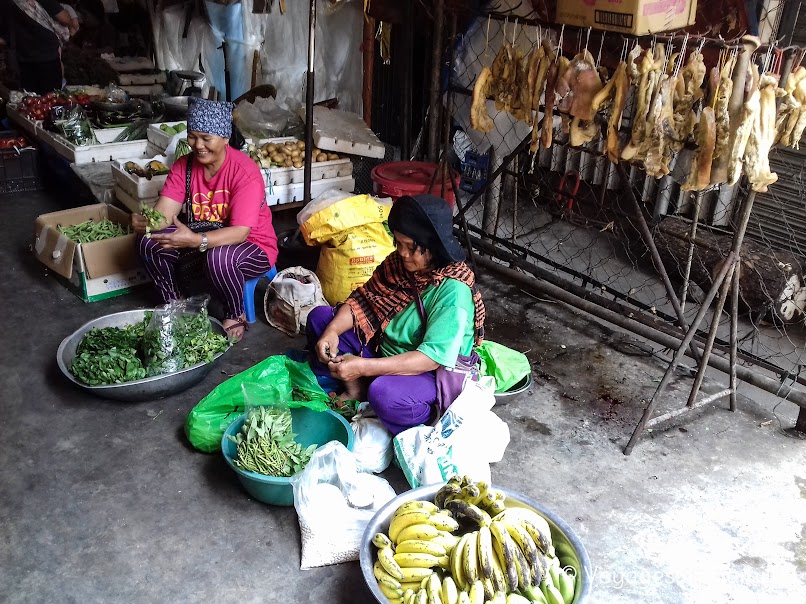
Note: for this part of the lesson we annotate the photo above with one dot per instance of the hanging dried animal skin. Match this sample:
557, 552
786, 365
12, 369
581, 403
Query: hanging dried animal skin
498, 69
656, 150
757, 156
621, 85
582, 131
479, 118
542, 72
521, 104
688, 90
787, 118
800, 124
643, 92
705, 138
532, 65
506, 81
722, 116
577, 87
746, 125
547, 129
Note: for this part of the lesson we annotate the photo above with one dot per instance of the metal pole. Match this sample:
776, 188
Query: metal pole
653, 250
436, 70
679, 354
309, 97
734, 334
544, 288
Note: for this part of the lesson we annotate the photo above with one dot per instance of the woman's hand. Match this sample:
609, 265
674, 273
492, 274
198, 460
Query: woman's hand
347, 368
327, 347
139, 223
181, 238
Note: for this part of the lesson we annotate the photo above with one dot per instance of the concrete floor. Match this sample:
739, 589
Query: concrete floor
106, 502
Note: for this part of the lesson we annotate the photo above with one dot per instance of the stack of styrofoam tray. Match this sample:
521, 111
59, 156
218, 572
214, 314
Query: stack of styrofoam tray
278, 195
137, 186
159, 139
131, 202
344, 132
105, 150
280, 175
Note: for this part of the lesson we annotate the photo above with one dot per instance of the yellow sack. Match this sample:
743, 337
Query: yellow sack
343, 268
354, 241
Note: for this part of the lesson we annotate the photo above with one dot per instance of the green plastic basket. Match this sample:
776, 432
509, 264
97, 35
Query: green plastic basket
311, 427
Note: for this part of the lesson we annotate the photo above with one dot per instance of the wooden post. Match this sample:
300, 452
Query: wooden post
368, 59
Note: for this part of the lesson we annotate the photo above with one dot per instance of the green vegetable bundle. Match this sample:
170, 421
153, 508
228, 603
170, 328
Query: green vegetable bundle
266, 444
155, 218
111, 366
182, 149
90, 230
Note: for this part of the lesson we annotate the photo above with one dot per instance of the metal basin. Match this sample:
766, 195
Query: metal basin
560, 532
176, 105
147, 389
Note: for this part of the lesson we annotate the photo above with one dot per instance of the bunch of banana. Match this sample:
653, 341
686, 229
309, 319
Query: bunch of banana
510, 559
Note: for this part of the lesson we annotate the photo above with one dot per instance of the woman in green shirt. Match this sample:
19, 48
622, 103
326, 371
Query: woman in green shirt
420, 310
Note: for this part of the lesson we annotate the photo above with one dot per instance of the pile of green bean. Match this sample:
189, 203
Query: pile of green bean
91, 230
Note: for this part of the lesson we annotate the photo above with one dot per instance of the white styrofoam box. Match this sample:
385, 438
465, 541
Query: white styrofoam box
142, 79
344, 132
138, 186
105, 150
124, 64
279, 175
130, 202
159, 139
296, 191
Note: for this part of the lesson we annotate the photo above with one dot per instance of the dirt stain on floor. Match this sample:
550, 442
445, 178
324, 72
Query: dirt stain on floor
752, 561
533, 425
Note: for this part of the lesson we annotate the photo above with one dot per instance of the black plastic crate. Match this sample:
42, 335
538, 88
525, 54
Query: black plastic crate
19, 168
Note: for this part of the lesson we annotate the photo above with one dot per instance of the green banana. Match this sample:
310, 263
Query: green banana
553, 595
534, 594
566, 587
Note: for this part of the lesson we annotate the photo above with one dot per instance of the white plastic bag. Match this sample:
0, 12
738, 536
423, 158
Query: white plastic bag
335, 502
373, 445
465, 440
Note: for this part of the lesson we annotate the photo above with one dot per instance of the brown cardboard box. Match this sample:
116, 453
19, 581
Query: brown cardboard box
637, 17
96, 270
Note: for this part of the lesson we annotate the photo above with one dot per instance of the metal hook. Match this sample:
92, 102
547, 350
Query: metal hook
587, 39
601, 45
514, 27
560, 43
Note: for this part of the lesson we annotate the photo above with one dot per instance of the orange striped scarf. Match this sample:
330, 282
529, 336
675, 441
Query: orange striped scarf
390, 289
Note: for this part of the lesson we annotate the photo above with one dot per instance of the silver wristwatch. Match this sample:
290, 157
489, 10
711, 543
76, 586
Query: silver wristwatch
203, 245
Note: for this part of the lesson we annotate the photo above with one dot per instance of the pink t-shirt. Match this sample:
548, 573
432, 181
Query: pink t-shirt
236, 196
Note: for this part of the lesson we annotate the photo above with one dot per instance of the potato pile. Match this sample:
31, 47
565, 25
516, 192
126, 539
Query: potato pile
291, 154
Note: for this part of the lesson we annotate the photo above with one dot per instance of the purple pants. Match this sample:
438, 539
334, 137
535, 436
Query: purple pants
399, 401
227, 268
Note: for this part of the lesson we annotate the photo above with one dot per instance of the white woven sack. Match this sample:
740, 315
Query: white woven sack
292, 294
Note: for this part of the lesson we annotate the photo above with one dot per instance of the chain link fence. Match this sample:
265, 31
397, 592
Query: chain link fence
582, 220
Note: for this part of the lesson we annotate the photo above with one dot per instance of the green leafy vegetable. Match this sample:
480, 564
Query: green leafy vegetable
266, 444
155, 218
182, 148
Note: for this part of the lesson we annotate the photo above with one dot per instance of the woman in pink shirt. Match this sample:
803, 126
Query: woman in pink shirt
214, 203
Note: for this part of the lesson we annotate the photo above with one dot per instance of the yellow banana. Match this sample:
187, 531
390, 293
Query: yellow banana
470, 558
497, 507
516, 599
422, 597
405, 520
434, 589
464, 598
408, 596
415, 506
380, 541
499, 597
392, 594
489, 589
566, 587
409, 587
410, 560
387, 560
485, 547
446, 540
456, 564
525, 573
421, 532
450, 594
506, 547
498, 576
419, 546
537, 526
468, 510
444, 562
443, 522
524, 541
483, 488
470, 493
381, 575
476, 593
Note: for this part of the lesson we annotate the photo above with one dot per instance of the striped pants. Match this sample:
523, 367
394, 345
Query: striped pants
226, 268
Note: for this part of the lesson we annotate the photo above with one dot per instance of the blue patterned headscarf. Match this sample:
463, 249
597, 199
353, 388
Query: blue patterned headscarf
210, 116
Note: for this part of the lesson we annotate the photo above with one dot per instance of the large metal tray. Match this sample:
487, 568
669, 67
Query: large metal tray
147, 389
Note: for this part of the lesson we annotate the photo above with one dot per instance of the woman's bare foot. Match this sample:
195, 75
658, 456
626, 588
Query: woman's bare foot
235, 327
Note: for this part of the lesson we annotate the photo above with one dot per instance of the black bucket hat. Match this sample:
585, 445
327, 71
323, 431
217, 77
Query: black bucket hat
428, 220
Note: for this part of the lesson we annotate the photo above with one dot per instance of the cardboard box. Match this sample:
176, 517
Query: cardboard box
636, 17
93, 271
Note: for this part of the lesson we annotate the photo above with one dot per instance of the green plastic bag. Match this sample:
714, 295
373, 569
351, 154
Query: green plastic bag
507, 366
275, 379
